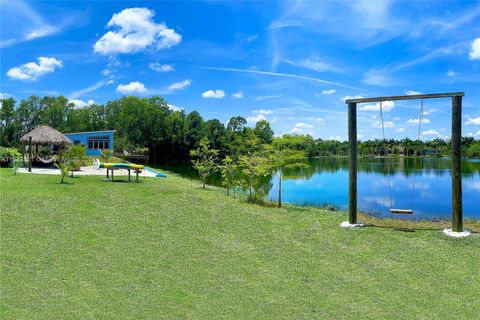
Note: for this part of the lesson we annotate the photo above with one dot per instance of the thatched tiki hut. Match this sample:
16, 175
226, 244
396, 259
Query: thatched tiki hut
43, 136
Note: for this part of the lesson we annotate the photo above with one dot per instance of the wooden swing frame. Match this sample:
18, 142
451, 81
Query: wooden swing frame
457, 214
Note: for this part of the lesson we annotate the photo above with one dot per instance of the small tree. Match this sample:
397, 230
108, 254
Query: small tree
16, 164
105, 154
206, 160
75, 156
229, 170
254, 166
284, 158
64, 169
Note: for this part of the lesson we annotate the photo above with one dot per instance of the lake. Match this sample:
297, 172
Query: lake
421, 184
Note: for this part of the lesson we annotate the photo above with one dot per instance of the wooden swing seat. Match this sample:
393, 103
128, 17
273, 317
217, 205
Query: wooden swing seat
401, 211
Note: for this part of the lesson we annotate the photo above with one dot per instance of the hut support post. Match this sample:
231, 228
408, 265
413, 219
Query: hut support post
352, 176
30, 154
457, 215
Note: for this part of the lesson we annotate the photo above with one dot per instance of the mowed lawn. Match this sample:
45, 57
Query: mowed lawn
166, 249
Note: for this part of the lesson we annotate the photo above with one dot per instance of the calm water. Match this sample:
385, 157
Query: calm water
423, 185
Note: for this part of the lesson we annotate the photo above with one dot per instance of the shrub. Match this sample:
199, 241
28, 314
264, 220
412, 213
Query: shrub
8, 156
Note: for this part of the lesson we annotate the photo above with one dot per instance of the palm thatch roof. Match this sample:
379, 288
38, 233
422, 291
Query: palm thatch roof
45, 135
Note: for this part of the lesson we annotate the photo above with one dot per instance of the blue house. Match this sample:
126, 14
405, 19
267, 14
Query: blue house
94, 141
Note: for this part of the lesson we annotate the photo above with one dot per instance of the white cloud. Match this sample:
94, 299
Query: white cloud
473, 122
431, 132
417, 121
303, 125
399, 130
475, 50
4, 95
330, 91
386, 106
161, 67
386, 124
179, 85
137, 31
351, 97
237, 95
429, 111
174, 107
32, 71
78, 103
263, 111
90, 102
451, 73
412, 92
338, 138
215, 94
132, 87
296, 131
255, 119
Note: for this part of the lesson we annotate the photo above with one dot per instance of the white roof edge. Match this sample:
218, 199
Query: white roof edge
90, 132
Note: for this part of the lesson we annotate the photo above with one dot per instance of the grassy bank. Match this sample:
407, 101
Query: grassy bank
165, 248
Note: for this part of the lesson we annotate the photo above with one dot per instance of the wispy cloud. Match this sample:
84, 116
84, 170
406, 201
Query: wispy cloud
25, 24
287, 75
97, 85
315, 63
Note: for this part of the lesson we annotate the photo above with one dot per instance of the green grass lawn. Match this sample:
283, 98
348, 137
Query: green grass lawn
166, 249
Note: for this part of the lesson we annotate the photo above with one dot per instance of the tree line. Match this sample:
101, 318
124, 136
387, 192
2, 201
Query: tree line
170, 135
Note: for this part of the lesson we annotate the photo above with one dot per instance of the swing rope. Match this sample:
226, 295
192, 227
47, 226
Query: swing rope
419, 136
385, 153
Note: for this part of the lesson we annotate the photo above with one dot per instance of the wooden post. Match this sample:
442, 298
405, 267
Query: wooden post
280, 189
30, 154
457, 215
112, 175
352, 176
137, 174
128, 175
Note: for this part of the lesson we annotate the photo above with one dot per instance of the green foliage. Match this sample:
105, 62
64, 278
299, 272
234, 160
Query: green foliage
284, 157
105, 154
9, 154
254, 166
230, 174
205, 161
264, 131
64, 168
16, 164
170, 135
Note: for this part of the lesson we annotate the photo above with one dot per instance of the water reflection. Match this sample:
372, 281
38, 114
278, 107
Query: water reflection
421, 184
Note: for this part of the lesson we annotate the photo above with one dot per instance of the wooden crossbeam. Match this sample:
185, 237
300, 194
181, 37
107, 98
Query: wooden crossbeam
407, 97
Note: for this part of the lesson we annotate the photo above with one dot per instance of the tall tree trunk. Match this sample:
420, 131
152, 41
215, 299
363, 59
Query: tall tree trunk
279, 204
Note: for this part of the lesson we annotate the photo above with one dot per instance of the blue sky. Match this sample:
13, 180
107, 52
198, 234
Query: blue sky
292, 63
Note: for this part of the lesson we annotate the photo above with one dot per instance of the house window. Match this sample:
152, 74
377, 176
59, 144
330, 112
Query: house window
100, 142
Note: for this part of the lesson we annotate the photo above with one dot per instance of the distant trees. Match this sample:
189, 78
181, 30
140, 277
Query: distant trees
170, 135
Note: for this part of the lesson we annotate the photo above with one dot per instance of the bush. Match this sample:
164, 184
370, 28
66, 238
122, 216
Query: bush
8, 156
